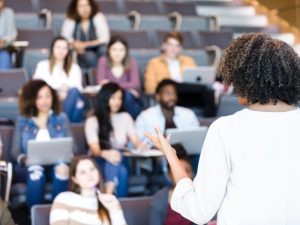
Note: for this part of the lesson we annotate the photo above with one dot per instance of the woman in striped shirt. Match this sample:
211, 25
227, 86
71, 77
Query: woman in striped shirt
84, 204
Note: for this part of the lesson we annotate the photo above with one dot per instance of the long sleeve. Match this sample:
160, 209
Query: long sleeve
150, 78
101, 69
199, 200
39, 71
16, 142
134, 80
59, 214
141, 126
11, 31
102, 29
75, 77
68, 29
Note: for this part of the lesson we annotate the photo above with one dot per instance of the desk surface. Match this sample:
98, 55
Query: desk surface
143, 153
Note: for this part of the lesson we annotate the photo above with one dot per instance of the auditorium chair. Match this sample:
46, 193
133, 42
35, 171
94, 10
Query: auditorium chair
218, 38
184, 8
143, 7
37, 38
55, 6
109, 7
24, 6
228, 105
136, 39
136, 211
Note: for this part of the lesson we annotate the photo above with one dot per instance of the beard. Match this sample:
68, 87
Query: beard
168, 105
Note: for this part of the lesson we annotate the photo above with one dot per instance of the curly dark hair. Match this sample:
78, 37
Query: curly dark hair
28, 98
72, 10
261, 69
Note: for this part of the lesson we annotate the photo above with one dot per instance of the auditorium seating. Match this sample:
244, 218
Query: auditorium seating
184, 8
37, 38
29, 21
109, 7
11, 81
130, 206
24, 6
135, 39
57, 6
6, 133
143, 7
218, 38
228, 105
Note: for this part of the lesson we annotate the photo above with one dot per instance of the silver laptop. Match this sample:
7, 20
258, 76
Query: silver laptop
50, 152
191, 139
205, 75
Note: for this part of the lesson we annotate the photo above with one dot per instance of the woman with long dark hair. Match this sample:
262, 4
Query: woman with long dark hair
85, 198
87, 30
108, 132
117, 66
63, 75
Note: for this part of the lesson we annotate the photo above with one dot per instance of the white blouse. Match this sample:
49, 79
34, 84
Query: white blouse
58, 78
248, 172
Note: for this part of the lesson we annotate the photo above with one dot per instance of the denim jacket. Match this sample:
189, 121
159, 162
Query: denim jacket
26, 129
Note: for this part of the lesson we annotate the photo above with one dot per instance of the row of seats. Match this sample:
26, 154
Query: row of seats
130, 206
120, 22
119, 7
201, 56
41, 38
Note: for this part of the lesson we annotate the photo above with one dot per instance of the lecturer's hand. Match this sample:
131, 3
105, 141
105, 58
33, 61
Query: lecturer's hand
160, 141
162, 144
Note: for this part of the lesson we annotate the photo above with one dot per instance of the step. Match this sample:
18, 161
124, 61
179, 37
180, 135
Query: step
225, 10
243, 21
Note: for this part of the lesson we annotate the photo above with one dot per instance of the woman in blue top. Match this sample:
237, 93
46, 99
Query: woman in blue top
40, 120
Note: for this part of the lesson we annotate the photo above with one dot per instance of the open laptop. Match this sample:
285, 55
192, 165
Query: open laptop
50, 152
191, 139
205, 75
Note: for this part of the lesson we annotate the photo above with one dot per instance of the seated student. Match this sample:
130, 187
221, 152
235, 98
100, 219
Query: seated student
8, 34
165, 114
63, 75
109, 131
160, 209
117, 66
170, 65
87, 30
84, 204
40, 120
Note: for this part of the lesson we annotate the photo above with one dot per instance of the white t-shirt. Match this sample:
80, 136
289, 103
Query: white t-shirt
249, 172
175, 70
43, 135
59, 78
